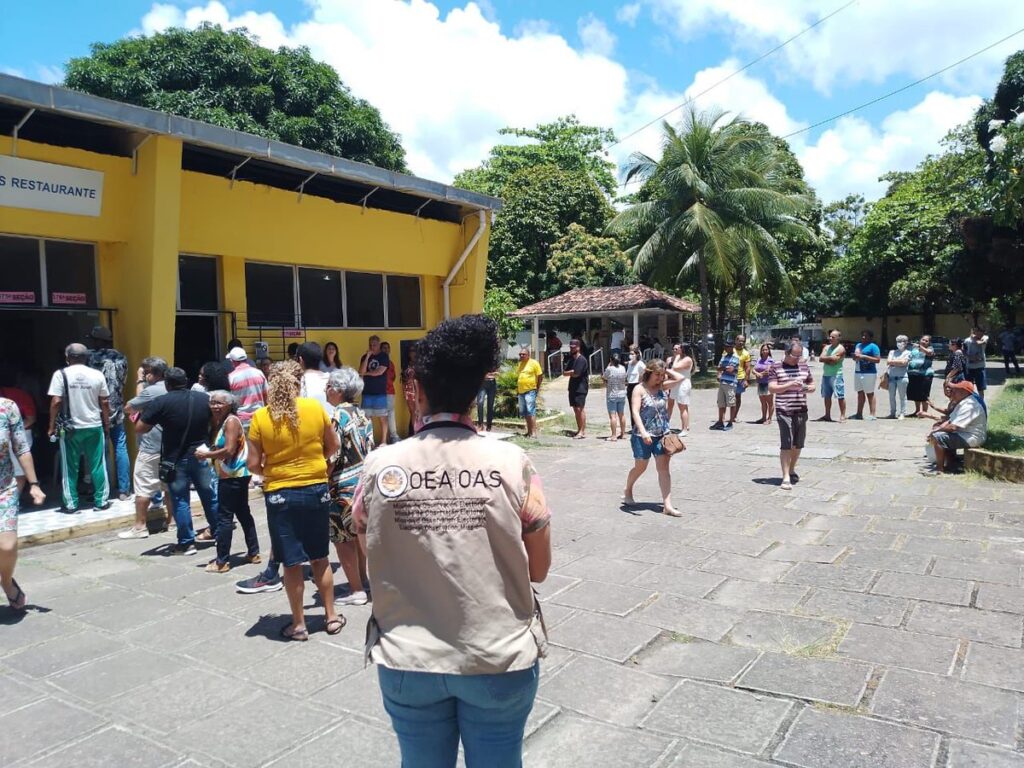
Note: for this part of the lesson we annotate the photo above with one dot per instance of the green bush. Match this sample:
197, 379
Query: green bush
506, 401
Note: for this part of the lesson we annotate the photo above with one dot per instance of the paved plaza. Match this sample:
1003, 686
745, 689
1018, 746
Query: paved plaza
869, 617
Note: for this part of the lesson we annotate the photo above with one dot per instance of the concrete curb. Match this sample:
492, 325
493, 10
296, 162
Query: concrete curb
518, 422
998, 466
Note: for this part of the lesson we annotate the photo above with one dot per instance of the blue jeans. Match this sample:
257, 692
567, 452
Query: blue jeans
200, 474
123, 466
430, 711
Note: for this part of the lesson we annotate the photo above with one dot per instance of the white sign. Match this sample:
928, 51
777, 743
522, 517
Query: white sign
49, 187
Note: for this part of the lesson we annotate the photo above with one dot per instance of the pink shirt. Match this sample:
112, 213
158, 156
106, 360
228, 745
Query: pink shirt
249, 385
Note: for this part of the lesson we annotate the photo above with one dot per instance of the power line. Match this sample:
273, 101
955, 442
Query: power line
906, 87
745, 67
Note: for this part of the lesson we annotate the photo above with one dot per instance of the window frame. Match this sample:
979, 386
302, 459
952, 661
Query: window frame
217, 276
44, 289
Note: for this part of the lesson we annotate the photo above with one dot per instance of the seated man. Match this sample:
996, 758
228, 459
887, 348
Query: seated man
966, 426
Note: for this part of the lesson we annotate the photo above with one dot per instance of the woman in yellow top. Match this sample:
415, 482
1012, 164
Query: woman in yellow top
290, 440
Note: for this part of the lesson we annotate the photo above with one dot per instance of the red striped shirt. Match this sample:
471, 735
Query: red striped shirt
792, 400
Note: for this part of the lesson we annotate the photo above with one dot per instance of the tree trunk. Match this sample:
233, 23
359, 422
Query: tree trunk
705, 313
723, 307
743, 307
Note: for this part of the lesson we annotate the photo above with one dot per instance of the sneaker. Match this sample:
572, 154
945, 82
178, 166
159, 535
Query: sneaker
901, 417
259, 584
184, 549
214, 567
123, 497
717, 425
727, 427
69, 510
354, 598
105, 505
871, 418
134, 533
684, 432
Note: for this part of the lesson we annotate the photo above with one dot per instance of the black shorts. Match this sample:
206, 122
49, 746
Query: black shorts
577, 399
792, 429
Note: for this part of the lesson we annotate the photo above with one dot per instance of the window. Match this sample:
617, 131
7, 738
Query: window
320, 298
270, 294
19, 272
404, 302
70, 274
364, 295
197, 284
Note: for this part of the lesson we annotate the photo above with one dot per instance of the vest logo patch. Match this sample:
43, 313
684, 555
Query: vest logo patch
392, 482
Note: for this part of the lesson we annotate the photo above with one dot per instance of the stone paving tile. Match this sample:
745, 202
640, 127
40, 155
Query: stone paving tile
233, 735
596, 596
359, 695
772, 513
749, 568
604, 691
697, 660
945, 547
349, 743
678, 581
886, 560
954, 707
955, 591
966, 623
699, 756
994, 665
62, 653
604, 569
572, 742
853, 540
724, 716
15, 694
970, 515
114, 746
758, 596
1006, 552
752, 546
998, 573
42, 726
306, 667
688, 616
836, 523
899, 648
779, 632
790, 534
866, 609
910, 527
554, 584
828, 681
998, 597
132, 613
182, 629
963, 754
606, 636
829, 740
837, 576
111, 676
667, 553
809, 553
75, 602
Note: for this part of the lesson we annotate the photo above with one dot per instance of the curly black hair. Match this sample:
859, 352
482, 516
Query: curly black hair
216, 376
452, 360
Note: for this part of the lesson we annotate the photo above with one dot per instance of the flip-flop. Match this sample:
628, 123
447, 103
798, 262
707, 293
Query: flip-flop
19, 601
334, 626
288, 632
786, 486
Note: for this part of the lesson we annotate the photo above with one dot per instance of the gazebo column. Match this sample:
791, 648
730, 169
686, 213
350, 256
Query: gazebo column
536, 340
636, 327
662, 327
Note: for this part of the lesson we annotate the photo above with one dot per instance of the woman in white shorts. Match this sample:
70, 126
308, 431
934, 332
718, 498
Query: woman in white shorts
682, 363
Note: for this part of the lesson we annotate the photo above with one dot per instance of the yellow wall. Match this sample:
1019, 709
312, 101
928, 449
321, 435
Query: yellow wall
150, 217
948, 325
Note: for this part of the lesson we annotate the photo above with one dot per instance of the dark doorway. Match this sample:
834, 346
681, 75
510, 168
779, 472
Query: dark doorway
196, 341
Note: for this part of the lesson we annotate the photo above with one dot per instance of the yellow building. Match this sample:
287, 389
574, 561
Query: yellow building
180, 235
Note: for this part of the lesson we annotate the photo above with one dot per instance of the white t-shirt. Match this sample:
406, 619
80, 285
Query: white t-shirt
634, 371
86, 386
314, 385
617, 338
971, 422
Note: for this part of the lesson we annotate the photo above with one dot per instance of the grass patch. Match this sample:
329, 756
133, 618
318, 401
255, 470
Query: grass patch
1006, 421
677, 637
826, 648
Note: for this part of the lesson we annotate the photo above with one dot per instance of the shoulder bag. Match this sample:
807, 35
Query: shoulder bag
672, 444
883, 382
168, 467
63, 423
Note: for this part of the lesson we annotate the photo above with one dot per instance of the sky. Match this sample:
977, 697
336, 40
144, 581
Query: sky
448, 74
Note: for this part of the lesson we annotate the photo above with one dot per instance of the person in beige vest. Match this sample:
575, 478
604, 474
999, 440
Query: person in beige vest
455, 529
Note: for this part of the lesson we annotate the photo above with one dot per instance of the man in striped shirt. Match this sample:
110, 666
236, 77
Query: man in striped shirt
248, 384
790, 381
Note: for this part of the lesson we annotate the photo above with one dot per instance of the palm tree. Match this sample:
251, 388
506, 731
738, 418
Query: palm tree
714, 203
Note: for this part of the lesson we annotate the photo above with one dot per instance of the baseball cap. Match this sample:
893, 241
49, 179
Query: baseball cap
101, 333
237, 355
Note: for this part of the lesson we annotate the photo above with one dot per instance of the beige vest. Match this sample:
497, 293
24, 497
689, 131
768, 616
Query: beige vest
446, 560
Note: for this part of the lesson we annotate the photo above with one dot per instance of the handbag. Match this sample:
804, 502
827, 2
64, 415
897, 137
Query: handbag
883, 383
168, 468
63, 424
672, 444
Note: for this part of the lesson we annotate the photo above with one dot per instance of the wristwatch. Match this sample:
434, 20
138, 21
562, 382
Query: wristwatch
33, 483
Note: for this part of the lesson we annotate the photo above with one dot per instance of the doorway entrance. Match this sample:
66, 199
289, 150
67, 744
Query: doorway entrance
198, 335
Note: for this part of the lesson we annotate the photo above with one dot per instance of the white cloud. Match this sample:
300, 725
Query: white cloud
628, 14
13, 71
867, 42
47, 73
595, 36
266, 26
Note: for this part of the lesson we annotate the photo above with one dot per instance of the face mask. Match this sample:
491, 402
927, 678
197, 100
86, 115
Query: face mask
901, 345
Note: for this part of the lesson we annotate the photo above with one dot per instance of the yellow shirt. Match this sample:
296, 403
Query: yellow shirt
528, 373
293, 458
744, 356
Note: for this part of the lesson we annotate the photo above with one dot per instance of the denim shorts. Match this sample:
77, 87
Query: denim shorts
951, 441
528, 403
642, 450
299, 523
978, 377
616, 405
833, 386
741, 387
375, 405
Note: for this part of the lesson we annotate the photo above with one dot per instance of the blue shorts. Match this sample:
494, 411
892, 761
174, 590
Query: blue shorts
642, 450
528, 403
616, 405
375, 405
299, 523
762, 389
741, 387
978, 378
833, 386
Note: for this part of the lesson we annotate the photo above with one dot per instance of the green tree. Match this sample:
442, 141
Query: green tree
228, 79
565, 144
716, 202
540, 202
582, 260
498, 303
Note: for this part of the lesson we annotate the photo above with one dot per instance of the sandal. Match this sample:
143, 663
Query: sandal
205, 536
289, 632
19, 601
334, 626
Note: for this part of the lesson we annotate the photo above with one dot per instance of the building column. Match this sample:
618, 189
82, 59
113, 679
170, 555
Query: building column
636, 327
536, 341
